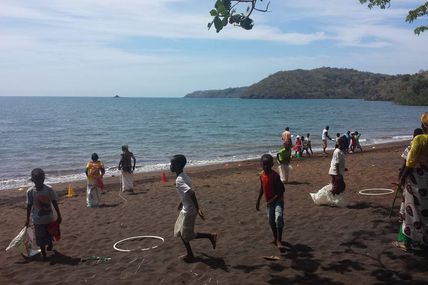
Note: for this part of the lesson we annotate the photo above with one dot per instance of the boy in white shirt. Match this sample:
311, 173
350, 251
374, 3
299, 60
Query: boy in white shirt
188, 207
337, 167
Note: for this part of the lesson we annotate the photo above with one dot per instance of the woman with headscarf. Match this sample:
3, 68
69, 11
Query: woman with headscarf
94, 173
414, 182
127, 169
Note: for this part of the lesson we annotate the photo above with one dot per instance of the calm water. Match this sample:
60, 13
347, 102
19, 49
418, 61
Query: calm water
60, 134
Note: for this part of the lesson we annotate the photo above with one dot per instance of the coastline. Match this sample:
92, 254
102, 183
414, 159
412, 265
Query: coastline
153, 176
110, 174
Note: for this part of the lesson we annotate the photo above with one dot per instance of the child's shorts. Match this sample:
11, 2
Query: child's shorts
185, 226
275, 214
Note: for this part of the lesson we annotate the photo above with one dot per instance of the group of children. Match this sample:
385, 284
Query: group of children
40, 197
352, 141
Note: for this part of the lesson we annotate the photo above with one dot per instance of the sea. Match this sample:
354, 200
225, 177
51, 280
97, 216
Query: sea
60, 134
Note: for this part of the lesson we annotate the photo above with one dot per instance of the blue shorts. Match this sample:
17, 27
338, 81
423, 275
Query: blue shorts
275, 214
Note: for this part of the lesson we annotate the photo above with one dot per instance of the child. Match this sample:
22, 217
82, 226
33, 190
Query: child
337, 140
348, 141
357, 141
308, 142
273, 189
337, 167
297, 147
188, 207
127, 169
94, 173
39, 200
283, 157
353, 142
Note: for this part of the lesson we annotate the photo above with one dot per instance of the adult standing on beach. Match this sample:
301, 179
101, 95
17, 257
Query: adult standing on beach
324, 138
127, 168
94, 173
286, 138
414, 182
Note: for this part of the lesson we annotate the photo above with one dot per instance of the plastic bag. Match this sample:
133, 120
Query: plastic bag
24, 242
324, 196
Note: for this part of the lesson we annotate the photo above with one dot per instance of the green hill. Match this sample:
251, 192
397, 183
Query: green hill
331, 83
320, 83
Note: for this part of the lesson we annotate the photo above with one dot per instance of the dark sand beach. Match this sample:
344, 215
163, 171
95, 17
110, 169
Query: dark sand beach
324, 245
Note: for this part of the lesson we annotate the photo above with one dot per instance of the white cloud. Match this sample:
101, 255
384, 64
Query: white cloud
79, 47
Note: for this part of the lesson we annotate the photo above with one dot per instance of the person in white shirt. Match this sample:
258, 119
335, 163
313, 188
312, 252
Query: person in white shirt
324, 138
308, 144
337, 167
188, 207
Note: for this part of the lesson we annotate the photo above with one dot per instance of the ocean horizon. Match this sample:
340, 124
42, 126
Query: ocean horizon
59, 134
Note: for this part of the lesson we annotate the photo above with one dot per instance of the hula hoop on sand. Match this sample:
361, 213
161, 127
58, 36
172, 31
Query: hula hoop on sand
137, 237
377, 191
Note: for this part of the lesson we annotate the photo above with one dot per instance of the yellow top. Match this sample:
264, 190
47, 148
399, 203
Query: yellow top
419, 151
94, 169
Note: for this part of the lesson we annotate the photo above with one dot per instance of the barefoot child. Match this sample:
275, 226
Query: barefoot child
39, 200
188, 207
273, 189
337, 167
94, 173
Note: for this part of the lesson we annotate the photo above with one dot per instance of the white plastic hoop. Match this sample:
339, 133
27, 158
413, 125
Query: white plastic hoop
137, 237
366, 192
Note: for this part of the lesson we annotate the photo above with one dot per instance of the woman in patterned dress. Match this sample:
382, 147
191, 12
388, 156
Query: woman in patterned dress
414, 182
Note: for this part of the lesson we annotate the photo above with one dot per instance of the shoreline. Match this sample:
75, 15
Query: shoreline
163, 167
155, 175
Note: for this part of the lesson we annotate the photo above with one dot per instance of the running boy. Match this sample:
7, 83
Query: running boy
273, 189
188, 207
39, 200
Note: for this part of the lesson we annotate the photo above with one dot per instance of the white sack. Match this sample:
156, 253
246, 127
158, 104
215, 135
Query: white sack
325, 197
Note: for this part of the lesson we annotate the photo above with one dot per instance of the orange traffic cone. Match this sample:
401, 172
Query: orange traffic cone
164, 177
70, 191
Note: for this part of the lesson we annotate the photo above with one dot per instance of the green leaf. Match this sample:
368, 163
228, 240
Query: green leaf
235, 18
227, 4
218, 24
213, 12
209, 25
224, 21
222, 10
420, 30
247, 24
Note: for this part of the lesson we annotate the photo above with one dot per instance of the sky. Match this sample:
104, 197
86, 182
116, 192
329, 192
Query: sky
162, 48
